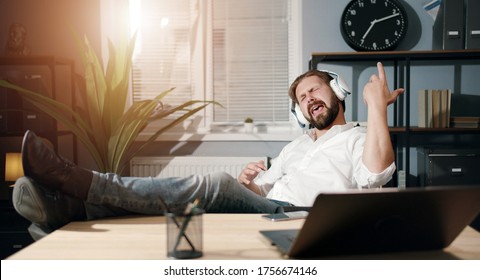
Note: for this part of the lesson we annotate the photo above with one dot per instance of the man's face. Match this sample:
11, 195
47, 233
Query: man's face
317, 102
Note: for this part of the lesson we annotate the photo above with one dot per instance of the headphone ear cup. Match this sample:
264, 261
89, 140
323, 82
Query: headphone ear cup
297, 113
339, 86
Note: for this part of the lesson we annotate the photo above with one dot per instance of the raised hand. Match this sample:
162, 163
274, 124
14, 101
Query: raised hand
378, 152
376, 91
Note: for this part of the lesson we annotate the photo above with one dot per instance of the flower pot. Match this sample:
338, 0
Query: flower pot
248, 127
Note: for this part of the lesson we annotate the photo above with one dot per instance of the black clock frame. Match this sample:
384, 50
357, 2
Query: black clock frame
364, 23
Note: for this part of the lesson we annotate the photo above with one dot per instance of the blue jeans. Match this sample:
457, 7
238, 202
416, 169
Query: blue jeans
113, 195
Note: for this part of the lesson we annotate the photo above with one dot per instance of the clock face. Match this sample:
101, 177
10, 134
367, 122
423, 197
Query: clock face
373, 25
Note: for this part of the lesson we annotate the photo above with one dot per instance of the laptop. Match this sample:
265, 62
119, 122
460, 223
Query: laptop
380, 221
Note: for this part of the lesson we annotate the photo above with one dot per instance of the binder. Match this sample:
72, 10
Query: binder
448, 28
472, 24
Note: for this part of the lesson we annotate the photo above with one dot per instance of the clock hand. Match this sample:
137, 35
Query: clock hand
387, 17
372, 23
369, 28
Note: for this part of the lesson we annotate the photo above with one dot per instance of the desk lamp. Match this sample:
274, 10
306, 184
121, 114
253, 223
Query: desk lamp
13, 167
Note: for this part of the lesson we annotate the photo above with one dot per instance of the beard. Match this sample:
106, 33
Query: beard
325, 119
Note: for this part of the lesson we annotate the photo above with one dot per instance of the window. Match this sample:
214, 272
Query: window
242, 54
250, 60
162, 57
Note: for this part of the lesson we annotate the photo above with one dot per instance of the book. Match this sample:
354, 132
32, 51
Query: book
425, 114
443, 100
445, 103
425, 107
465, 122
434, 108
422, 108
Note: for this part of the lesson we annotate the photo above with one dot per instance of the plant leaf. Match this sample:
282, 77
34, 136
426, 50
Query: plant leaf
102, 123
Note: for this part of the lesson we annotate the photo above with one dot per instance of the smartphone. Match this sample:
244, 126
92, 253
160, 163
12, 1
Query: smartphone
286, 216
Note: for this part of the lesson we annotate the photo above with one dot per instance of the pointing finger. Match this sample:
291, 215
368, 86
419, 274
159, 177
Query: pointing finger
381, 71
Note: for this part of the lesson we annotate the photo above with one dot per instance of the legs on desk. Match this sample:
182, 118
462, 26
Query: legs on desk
57, 191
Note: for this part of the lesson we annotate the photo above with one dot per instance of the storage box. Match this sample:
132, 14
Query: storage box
440, 166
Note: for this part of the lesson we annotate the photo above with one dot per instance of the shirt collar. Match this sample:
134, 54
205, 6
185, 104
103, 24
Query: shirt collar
334, 130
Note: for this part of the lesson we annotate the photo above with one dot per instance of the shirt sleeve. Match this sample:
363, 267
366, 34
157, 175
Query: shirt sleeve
362, 176
367, 179
266, 180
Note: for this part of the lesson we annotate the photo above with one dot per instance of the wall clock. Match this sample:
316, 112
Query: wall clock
374, 25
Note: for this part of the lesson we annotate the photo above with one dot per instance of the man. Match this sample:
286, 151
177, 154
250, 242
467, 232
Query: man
333, 156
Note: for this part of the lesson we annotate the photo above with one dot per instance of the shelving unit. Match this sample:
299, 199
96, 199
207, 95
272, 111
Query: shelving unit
49, 75
402, 132
52, 63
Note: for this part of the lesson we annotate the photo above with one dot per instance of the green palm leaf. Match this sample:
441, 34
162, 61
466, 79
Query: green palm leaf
104, 125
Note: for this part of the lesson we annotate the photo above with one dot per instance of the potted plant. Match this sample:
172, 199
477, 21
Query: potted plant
105, 125
248, 125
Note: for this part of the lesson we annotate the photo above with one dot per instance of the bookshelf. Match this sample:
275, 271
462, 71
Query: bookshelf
403, 134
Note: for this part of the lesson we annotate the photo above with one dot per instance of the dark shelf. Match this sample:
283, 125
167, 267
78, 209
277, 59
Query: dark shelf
403, 135
397, 129
13, 230
50, 61
393, 56
14, 233
450, 130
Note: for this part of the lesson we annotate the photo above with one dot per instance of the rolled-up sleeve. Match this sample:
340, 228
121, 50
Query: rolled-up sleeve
362, 176
367, 179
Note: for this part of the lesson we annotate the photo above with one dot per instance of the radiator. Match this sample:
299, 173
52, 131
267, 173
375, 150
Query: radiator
163, 167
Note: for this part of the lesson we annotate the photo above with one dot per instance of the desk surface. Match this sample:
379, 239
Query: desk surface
226, 236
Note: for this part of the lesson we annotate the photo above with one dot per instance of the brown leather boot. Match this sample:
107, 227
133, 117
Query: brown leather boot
47, 211
51, 171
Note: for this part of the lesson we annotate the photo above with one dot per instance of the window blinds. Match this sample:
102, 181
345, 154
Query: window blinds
250, 46
250, 60
162, 55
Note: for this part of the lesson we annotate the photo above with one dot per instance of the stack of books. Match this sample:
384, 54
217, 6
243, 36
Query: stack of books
434, 108
465, 122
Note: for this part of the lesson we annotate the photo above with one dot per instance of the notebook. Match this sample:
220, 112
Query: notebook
380, 221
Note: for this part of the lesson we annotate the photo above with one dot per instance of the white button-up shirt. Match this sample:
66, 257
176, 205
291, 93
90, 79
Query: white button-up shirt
333, 162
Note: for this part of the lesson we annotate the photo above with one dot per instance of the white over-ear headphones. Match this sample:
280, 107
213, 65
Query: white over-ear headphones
339, 87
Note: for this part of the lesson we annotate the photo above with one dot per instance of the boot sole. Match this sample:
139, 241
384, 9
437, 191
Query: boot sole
28, 202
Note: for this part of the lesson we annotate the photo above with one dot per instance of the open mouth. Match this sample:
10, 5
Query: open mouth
316, 109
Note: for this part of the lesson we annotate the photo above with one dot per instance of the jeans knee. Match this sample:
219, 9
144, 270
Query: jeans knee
221, 178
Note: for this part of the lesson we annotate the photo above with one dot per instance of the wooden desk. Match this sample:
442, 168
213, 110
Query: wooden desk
226, 236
